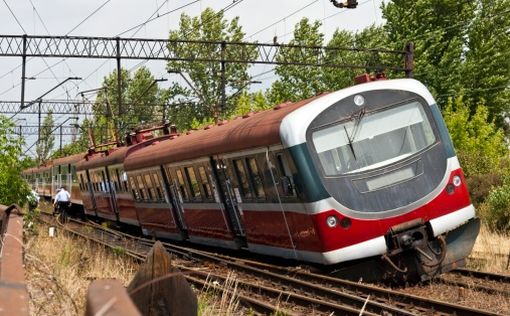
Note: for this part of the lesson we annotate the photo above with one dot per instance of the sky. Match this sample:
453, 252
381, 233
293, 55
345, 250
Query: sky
261, 20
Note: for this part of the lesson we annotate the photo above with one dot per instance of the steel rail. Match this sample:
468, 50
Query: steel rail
286, 296
301, 280
255, 304
483, 275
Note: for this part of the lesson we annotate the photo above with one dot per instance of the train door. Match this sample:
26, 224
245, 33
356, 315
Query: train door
174, 199
227, 196
90, 189
110, 190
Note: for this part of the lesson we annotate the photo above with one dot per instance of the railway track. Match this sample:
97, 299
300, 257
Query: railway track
268, 288
478, 281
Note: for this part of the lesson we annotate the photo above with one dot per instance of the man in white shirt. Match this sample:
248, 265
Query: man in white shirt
63, 200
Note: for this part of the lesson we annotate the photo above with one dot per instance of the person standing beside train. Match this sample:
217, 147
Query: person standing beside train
63, 200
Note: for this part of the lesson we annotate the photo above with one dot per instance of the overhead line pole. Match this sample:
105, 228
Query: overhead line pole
23, 68
157, 49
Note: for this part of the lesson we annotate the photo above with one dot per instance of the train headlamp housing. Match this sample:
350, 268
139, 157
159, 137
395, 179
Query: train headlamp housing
331, 221
456, 181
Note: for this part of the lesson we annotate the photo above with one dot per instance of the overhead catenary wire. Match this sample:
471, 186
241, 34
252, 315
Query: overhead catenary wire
284, 18
79, 24
15, 17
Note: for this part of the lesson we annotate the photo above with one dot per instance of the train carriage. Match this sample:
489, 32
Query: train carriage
64, 174
367, 172
362, 172
104, 183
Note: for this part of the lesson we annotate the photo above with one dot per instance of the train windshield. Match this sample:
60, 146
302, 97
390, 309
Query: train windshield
375, 140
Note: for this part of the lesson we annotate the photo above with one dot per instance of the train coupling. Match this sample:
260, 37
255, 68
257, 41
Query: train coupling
414, 251
406, 236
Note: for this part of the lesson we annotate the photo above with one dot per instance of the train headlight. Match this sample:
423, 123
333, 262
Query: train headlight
331, 221
359, 100
456, 181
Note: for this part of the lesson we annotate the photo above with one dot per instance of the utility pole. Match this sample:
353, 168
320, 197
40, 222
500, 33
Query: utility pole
223, 85
119, 89
23, 66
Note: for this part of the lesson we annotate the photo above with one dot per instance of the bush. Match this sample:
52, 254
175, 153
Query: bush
480, 144
496, 209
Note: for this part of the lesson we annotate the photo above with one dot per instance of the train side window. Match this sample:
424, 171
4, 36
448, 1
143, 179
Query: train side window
113, 178
115, 174
141, 187
192, 180
150, 186
286, 185
205, 182
104, 183
182, 185
123, 180
242, 178
134, 188
253, 170
158, 184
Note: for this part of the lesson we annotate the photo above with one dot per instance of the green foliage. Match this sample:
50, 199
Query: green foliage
299, 82
206, 77
251, 102
480, 144
496, 210
30, 220
140, 97
47, 141
13, 189
118, 251
461, 47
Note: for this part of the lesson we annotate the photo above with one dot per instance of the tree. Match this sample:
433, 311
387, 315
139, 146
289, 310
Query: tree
207, 78
47, 139
251, 102
299, 82
486, 71
143, 99
13, 189
438, 30
371, 37
140, 97
461, 48
480, 144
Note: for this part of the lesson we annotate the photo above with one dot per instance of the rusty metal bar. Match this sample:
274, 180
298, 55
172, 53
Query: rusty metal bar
109, 297
13, 289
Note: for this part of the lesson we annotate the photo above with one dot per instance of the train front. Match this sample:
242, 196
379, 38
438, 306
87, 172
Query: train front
382, 179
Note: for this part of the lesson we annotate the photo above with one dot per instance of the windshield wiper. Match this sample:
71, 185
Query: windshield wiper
357, 116
350, 143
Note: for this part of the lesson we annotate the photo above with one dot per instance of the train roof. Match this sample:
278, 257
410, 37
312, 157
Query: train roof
116, 156
250, 131
69, 159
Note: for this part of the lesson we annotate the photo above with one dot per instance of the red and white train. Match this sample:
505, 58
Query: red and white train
364, 172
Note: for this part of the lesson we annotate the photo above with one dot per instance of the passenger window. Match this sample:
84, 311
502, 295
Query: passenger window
182, 186
205, 182
286, 186
133, 186
150, 186
258, 185
141, 187
158, 185
242, 178
192, 180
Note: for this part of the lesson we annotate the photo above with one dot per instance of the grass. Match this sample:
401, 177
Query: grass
491, 251
59, 270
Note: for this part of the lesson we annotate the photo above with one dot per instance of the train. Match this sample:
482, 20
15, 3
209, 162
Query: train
364, 174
